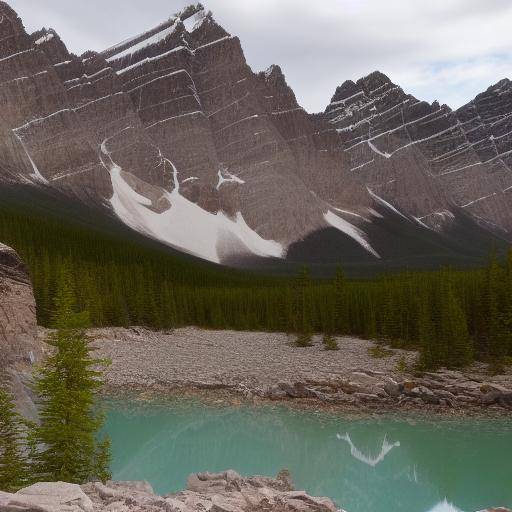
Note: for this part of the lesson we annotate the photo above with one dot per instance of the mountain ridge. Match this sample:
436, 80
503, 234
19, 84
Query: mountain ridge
174, 133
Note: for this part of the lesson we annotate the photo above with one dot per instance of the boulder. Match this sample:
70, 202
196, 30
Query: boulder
392, 388
48, 497
209, 492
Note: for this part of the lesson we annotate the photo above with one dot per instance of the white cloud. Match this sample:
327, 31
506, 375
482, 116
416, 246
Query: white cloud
441, 49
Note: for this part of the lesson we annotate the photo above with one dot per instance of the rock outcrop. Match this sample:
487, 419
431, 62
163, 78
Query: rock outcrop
19, 344
18, 326
181, 140
205, 492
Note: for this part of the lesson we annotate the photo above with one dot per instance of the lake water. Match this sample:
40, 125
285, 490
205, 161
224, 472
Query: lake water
372, 465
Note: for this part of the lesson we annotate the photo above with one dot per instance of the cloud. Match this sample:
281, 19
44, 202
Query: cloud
442, 49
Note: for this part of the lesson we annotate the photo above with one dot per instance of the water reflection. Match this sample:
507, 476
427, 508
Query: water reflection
378, 465
365, 458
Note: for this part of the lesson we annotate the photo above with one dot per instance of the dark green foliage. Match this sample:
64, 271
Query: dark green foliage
340, 320
452, 316
330, 342
304, 339
66, 387
380, 352
13, 462
401, 365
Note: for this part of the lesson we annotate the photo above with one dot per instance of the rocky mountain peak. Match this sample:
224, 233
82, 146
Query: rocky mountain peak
13, 38
190, 11
374, 81
7, 11
172, 127
346, 90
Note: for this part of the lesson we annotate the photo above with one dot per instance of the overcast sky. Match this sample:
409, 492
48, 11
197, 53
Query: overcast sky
448, 50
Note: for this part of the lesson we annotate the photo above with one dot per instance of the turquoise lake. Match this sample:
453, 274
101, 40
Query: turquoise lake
365, 465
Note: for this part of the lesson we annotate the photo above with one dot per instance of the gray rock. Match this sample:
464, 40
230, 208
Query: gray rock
49, 497
214, 492
392, 389
18, 326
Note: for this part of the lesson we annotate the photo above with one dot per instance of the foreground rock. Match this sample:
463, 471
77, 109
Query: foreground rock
19, 344
18, 327
222, 492
256, 366
206, 492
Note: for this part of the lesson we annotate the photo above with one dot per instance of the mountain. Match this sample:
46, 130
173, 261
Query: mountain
173, 133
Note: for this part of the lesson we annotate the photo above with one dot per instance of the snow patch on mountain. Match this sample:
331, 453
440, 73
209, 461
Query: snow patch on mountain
193, 22
352, 231
383, 202
44, 39
185, 225
36, 174
231, 178
154, 39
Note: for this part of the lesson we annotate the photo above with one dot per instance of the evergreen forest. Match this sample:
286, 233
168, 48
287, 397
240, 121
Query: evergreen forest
453, 316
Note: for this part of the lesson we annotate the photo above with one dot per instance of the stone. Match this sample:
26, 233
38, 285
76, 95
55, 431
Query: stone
49, 497
392, 389
426, 395
215, 492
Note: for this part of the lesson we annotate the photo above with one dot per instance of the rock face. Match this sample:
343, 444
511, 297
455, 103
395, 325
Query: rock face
426, 160
19, 344
18, 327
226, 491
171, 128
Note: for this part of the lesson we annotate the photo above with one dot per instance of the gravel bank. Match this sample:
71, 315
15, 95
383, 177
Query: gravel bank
266, 366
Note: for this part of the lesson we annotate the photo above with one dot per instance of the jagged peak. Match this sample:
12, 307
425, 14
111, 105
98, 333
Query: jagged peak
127, 43
189, 11
374, 79
504, 82
347, 89
273, 71
182, 24
44, 35
8, 11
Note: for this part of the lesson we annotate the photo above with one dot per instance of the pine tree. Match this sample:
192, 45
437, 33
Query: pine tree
456, 346
426, 339
495, 337
340, 303
13, 463
330, 342
66, 388
303, 309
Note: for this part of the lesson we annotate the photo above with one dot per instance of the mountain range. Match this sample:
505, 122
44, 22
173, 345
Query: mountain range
174, 134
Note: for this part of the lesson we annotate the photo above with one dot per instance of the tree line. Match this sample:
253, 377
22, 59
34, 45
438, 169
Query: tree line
452, 316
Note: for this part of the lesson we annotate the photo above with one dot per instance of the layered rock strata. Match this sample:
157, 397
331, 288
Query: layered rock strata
174, 133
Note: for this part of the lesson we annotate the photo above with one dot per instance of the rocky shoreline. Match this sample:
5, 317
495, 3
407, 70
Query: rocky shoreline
265, 367
205, 492
220, 492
